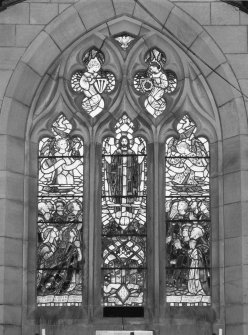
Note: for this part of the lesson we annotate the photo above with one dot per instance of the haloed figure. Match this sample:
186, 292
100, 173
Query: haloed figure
155, 103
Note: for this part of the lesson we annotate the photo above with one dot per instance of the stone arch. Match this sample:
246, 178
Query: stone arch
59, 34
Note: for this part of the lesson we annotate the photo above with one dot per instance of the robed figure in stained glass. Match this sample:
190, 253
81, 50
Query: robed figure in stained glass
60, 219
124, 217
123, 175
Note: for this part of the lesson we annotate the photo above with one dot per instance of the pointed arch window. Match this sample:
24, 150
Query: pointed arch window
60, 213
188, 231
124, 174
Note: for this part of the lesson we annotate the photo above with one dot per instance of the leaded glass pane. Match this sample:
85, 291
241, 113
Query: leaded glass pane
124, 40
60, 203
155, 82
92, 82
188, 230
124, 217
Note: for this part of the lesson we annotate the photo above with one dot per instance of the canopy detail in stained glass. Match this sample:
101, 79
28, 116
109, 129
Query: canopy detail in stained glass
124, 173
60, 212
188, 232
93, 82
155, 82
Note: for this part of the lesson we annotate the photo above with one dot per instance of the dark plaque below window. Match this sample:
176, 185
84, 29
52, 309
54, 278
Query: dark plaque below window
124, 312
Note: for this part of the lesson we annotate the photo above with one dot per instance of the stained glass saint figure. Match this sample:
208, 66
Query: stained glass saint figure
124, 217
187, 218
155, 82
60, 203
93, 82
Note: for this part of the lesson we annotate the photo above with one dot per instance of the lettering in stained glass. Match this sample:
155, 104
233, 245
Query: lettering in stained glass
93, 82
124, 40
124, 217
155, 82
60, 212
188, 231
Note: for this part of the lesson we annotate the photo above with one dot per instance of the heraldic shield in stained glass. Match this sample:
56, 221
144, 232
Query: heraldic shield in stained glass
155, 82
124, 173
187, 205
93, 82
60, 199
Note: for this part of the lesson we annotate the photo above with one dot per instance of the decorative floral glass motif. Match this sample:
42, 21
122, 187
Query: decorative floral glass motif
155, 82
124, 171
60, 200
187, 206
93, 82
124, 40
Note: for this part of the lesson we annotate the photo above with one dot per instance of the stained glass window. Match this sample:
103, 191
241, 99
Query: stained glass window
60, 217
155, 82
124, 173
188, 232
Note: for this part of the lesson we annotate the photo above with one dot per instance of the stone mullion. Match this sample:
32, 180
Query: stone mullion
156, 228
91, 226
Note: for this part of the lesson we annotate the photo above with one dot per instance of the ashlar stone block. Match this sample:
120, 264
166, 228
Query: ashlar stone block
42, 13
124, 6
182, 26
95, 12
11, 219
154, 13
224, 14
10, 281
18, 14
13, 154
233, 220
10, 315
26, 33
11, 252
7, 35
9, 57
5, 76
200, 11
231, 39
63, 31
23, 84
13, 118
233, 251
232, 187
239, 64
11, 186
41, 53
208, 53
222, 91
233, 284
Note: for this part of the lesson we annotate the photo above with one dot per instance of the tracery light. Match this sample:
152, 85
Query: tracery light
92, 82
187, 203
124, 40
124, 217
60, 217
155, 82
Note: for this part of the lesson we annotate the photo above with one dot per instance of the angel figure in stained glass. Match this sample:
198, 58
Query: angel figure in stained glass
93, 82
58, 169
155, 82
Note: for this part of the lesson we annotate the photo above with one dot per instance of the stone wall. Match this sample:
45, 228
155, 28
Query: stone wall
214, 36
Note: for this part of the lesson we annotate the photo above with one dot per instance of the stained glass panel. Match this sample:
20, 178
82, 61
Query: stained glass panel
124, 40
155, 82
60, 212
124, 217
92, 82
188, 229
